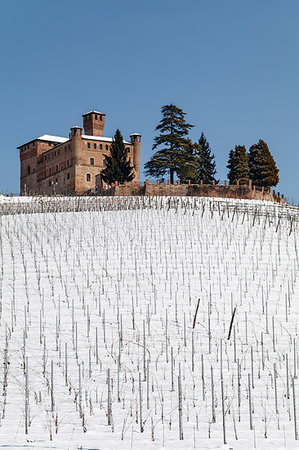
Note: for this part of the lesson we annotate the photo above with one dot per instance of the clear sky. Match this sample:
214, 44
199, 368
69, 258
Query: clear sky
232, 66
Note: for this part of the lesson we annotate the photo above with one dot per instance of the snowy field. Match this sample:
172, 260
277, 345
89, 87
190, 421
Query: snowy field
150, 323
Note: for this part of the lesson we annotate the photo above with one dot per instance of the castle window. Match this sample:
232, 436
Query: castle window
50, 171
65, 148
101, 118
101, 146
68, 163
92, 161
58, 152
75, 131
96, 117
106, 147
94, 146
88, 177
56, 168
128, 150
88, 144
68, 176
49, 183
28, 170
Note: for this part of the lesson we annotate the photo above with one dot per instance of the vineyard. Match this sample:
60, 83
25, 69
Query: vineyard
147, 323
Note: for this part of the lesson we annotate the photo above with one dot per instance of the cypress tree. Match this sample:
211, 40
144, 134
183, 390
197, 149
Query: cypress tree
118, 167
238, 165
242, 168
231, 175
173, 131
206, 169
262, 167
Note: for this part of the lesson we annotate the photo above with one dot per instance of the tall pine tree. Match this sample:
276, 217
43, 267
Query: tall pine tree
238, 165
118, 166
172, 141
262, 167
206, 169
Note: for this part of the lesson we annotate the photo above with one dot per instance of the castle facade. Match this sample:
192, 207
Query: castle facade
59, 165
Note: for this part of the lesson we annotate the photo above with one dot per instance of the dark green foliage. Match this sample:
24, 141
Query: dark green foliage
262, 167
172, 141
206, 165
188, 164
118, 166
231, 175
238, 165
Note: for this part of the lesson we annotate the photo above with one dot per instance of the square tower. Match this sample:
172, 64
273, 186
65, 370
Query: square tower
94, 123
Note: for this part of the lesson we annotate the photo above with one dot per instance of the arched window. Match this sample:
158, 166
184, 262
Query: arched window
88, 177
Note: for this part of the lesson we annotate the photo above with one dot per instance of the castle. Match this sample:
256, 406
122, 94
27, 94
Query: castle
58, 165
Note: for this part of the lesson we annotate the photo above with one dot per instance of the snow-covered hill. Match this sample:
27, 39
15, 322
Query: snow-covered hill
115, 324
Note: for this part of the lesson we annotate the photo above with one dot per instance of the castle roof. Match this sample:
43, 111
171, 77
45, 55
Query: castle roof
94, 112
100, 138
48, 138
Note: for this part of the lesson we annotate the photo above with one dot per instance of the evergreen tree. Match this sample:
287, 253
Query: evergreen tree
118, 166
262, 167
172, 141
231, 168
206, 165
188, 164
238, 165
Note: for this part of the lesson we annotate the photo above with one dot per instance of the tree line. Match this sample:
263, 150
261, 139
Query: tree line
194, 161
177, 156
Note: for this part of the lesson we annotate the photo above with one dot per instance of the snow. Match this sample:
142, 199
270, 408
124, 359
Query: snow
117, 286
95, 112
49, 137
100, 138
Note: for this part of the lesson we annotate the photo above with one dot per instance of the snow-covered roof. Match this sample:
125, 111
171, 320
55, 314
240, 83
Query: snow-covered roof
135, 134
100, 138
95, 112
47, 137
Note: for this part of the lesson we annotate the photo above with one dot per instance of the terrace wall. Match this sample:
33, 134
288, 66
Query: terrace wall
195, 190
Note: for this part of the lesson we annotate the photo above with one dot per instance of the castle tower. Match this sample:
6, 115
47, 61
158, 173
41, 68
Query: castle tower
136, 142
76, 138
94, 123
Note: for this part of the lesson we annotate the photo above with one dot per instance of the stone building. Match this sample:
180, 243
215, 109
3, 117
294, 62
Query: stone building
59, 165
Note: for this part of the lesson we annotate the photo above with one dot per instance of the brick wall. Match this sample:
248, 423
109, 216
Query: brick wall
195, 190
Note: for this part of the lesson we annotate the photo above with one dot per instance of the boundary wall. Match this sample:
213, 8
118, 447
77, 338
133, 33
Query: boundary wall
196, 190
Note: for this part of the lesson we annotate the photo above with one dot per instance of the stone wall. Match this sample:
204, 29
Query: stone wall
125, 190
194, 190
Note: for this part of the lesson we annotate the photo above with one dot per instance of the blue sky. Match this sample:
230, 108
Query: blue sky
232, 66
